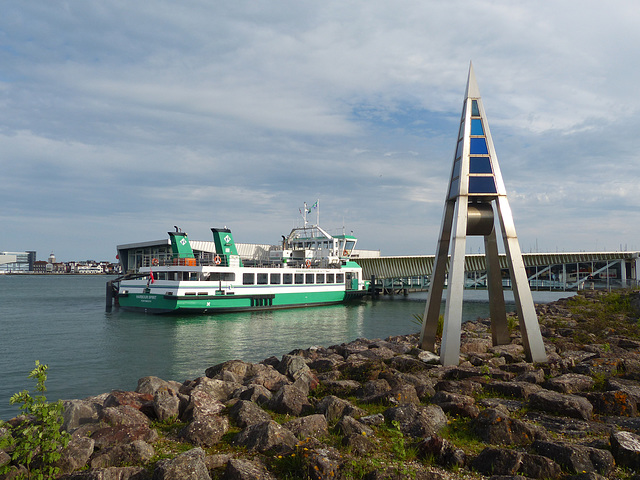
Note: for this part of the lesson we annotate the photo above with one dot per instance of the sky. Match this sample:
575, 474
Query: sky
119, 120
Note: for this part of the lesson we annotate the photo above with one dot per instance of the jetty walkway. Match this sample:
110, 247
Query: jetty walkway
546, 271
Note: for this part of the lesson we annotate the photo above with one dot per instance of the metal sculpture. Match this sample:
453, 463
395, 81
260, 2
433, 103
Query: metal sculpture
476, 185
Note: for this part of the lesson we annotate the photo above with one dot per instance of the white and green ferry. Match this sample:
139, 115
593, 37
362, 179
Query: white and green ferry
310, 268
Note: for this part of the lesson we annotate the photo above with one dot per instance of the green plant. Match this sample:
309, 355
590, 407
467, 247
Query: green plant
38, 440
418, 319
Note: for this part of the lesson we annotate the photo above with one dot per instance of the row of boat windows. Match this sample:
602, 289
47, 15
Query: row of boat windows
255, 279
291, 278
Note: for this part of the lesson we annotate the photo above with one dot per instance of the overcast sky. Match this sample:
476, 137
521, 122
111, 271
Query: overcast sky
121, 119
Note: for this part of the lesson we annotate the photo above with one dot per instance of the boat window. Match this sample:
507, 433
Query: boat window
330, 278
224, 276
287, 278
274, 279
263, 278
299, 278
185, 276
193, 276
309, 277
248, 279
339, 277
320, 278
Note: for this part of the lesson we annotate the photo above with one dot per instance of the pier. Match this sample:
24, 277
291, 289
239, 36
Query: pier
401, 275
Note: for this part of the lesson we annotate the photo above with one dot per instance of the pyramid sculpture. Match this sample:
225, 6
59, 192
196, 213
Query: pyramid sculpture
475, 189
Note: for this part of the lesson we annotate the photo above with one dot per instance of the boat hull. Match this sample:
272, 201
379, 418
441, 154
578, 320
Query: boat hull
159, 303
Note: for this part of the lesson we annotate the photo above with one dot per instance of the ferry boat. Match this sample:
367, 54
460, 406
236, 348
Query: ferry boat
310, 268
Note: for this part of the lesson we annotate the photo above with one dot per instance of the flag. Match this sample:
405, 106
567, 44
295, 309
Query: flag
151, 279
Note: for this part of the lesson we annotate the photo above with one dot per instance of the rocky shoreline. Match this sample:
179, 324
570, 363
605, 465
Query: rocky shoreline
384, 409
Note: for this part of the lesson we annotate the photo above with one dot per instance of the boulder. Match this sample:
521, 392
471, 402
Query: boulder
150, 385
456, 404
334, 408
570, 383
442, 451
497, 461
576, 458
119, 398
417, 421
205, 431
256, 393
310, 426
350, 426
166, 403
495, 427
289, 400
137, 452
123, 415
537, 466
625, 447
561, 404
245, 413
617, 402
118, 434
266, 436
77, 413
201, 404
516, 389
75, 455
238, 469
189, 465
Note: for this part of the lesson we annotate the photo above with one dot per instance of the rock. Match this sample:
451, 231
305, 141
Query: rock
442, 452
617, 402
201, 404
537, 466
561, 404
493, 426
373, 390
576, 458
267, 376
497, 461
119, 398
334, 408
220, 390
136, 452
118, 434
514, 389
289, 400
456, 404
76, 454
77, 413
625, 447
310, 426
257, 394
462, 387
266, 436
417, 421
429, 358
245, 413
323, 463
341, 387
205, 431
349, 426
238, 469
570, 383
188, 465
359, 445
111, 473
123, 415
150, 385
166, 403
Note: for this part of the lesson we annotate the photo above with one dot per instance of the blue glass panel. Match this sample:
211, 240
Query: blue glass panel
481, 185
475, 111
476, 127
453, 189
480, 165
461, 132
459, 150
456, 169
478, 146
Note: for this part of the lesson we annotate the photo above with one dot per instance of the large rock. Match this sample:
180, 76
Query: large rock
442, 451
334, 408
119, 398
350, 426
514, 389
77, 413
497, 461
201, 404
76, 454
266, 436
570, 383
238, 469
456, 404
118, 434
576, 458
205, 431
134, 453
245, 413
561, 404
495, 427
625, 447
290, 400
617, 402
150, 385
188, 465
417, 421
166, 403
310, 426
256, 393
123, 415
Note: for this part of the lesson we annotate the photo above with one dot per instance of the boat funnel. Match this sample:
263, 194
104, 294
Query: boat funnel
225, 246
181, 248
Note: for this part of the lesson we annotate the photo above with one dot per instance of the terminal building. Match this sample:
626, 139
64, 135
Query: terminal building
17, 261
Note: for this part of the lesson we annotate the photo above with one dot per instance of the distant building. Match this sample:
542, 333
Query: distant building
17, 261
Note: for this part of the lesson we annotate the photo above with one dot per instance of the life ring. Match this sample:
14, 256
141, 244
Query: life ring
217, 260
308, 263
345, 253
155, 262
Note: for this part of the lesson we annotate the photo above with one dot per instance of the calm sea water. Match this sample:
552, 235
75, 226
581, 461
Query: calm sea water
61, 321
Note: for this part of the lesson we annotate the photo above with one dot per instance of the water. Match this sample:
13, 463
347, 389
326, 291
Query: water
61, 321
